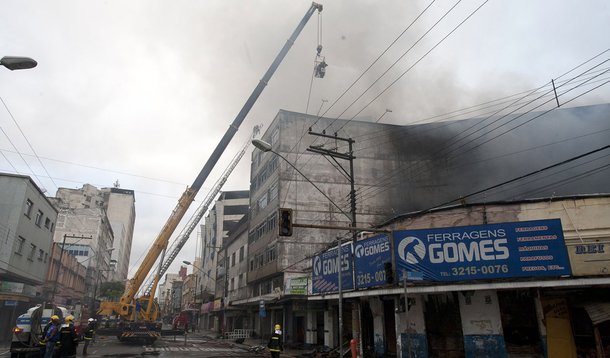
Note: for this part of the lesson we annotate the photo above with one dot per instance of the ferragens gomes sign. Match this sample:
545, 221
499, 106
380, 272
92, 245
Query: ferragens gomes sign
521, 249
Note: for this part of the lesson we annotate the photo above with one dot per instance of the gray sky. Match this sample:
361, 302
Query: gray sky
144, 90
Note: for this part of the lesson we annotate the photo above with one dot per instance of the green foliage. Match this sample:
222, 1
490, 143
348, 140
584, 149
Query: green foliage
112, 289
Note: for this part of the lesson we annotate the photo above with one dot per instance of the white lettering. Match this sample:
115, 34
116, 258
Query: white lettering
484, 250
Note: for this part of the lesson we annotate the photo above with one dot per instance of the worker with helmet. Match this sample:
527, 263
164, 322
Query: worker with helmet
51, 336
68, 339
275, 342
89, 334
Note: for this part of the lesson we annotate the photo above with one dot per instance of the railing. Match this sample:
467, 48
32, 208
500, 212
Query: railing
238, 333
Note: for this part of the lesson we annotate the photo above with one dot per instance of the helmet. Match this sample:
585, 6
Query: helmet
277, 327
91, 320
54, 318
69, 319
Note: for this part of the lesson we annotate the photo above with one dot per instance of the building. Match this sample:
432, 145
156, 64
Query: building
86, 234
65, 281
236, 280
398, 169
27, 223
228, 210
165, 296
496, 279
119, 207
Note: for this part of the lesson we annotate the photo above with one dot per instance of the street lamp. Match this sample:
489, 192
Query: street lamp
266, 147
17, 63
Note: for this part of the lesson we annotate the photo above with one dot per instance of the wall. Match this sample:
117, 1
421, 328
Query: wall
411, 329
481, 324
31, 264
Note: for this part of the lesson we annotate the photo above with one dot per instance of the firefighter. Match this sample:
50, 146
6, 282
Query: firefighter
89, 334
51, 336
68, 339
275, 342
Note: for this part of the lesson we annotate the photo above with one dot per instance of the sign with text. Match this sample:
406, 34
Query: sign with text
296, 286
589, 258
519, 249
325, 267
369, 256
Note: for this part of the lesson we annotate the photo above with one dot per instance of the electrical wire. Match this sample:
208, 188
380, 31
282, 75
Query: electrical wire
27, 141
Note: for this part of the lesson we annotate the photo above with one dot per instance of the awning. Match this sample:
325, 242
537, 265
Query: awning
598, 312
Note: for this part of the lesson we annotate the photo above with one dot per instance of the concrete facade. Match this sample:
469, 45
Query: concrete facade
228, 210
27, 222
510, 317
119, 207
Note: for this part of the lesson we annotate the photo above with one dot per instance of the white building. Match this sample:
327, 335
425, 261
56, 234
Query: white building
119, 207
27, 222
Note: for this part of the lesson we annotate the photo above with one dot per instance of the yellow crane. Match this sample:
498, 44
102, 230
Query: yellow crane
139, 315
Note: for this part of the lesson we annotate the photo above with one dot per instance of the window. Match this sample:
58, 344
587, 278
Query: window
28, 208
38, 218
233, 259
232, 283
242, 253
52, 227
32, 252
47, 223
240, 282
20, 243
40, 254
46, 257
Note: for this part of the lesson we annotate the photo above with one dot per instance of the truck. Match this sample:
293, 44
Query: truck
140, 315
27, 332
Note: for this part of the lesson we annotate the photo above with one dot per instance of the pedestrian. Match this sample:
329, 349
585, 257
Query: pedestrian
51, 336
275, 342
89, 334
68, 340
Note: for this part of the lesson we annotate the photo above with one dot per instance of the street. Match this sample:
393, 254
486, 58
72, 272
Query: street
194, 345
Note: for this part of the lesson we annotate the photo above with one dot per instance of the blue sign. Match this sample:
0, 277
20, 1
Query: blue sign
369, 256
325, 276
10, 303
521, 249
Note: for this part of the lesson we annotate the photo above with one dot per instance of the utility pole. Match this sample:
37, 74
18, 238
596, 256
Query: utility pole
349, 156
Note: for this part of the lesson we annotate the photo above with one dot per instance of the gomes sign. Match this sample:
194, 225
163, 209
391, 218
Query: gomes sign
530, 248
325, 267
369, 256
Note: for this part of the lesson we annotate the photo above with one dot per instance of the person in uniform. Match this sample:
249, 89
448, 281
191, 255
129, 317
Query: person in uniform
89, 334
51, 336
68, 339
275, 342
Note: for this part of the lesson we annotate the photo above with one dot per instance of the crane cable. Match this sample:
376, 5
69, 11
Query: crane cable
318, 50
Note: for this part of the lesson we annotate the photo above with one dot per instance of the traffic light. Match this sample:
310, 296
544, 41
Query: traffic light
285, 222
389, 273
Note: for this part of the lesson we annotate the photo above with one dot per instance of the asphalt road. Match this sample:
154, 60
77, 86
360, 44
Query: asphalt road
194, 346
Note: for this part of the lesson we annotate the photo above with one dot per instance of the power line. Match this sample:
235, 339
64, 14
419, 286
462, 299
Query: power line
27, 141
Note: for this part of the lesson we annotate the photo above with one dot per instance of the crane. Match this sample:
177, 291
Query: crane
129, 308
194, 220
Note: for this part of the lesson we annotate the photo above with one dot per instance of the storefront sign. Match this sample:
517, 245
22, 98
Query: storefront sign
589, 259
521, 249
325, 276
369, 257
296, 286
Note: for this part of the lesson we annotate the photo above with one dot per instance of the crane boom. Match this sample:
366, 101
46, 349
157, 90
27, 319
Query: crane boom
125, 308
194, 220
